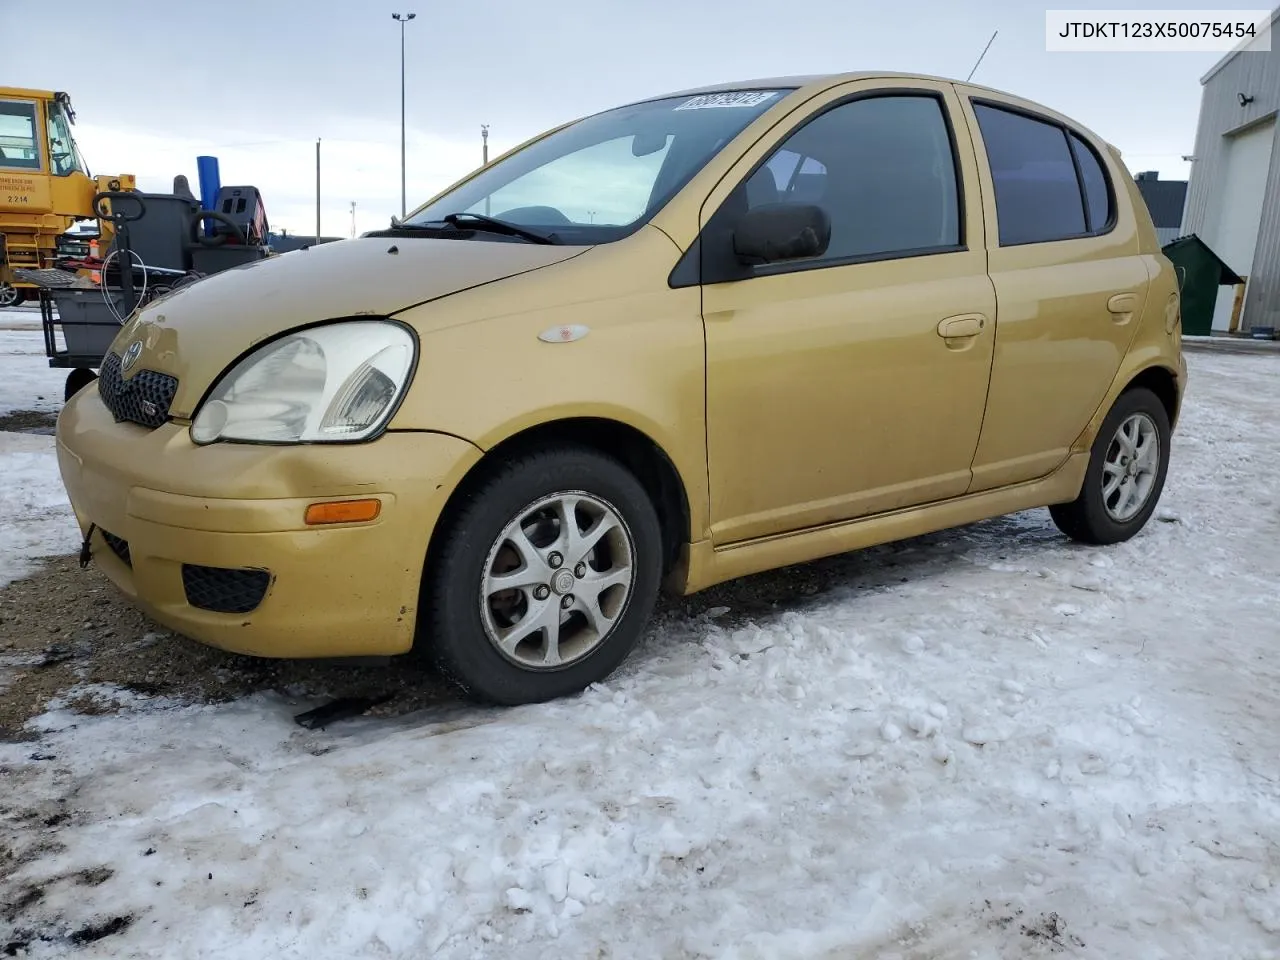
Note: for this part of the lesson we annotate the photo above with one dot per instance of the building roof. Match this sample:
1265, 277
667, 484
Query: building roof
1275, 18
1165, 199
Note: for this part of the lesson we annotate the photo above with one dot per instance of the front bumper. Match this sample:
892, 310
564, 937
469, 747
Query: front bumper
222, 527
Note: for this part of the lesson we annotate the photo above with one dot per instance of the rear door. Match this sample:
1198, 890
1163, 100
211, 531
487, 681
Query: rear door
1063, 254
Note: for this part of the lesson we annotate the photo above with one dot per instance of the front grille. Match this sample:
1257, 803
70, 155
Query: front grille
119, 546
144, 398
222, 590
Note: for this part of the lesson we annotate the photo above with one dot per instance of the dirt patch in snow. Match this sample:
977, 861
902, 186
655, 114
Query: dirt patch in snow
29, 421
65, 630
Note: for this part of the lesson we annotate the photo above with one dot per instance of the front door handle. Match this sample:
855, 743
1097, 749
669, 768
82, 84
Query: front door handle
965, 325
1122, 306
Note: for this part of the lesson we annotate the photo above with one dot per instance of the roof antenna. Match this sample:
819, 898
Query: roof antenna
980, 56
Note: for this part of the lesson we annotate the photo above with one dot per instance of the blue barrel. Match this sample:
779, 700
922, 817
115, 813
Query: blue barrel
210, 184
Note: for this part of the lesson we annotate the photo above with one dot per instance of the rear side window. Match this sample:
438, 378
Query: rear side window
1049, 185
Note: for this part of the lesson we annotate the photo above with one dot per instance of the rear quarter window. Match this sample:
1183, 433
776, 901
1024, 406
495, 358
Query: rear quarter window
1097, 189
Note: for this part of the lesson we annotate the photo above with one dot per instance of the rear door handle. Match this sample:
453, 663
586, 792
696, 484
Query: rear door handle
1122, 306
965, 325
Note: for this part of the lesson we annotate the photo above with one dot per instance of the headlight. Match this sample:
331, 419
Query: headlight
331, 383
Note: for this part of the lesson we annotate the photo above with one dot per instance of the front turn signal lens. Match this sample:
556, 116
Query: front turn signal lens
343, 511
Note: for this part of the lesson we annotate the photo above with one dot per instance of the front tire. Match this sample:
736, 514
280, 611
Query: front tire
77, 380
1127, 468
544, 579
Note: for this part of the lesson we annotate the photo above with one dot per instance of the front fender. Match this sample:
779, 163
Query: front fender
484, 374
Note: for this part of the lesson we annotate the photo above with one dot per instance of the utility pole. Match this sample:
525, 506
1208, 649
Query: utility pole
402, 20
317, 191
353, 219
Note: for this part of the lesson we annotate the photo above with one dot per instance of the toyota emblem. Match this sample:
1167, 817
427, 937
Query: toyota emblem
131, 356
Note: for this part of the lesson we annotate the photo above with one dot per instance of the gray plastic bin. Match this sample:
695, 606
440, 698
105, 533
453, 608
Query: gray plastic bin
88, 326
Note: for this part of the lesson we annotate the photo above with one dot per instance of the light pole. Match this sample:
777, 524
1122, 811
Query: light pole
402, 19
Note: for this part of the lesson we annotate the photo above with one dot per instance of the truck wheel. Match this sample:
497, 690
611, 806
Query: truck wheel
11, 296
77, 380
544, 579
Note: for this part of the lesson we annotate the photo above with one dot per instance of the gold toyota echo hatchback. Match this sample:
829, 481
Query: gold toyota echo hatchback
677, 342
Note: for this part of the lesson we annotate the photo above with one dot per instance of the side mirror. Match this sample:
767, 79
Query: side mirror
782, 231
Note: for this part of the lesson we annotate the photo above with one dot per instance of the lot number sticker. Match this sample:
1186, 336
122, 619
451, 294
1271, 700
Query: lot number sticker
741, 98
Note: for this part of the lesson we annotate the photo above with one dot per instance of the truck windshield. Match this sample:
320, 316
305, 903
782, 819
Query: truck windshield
19, 149
603, 177
62, 146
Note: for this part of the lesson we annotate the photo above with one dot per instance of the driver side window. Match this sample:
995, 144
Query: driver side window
882, 168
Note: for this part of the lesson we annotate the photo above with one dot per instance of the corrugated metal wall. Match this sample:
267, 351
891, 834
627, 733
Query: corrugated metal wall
1256, 75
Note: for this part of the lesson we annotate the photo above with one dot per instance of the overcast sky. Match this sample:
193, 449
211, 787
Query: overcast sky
255, 83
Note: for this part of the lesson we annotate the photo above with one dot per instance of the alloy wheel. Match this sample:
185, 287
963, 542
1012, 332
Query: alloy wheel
556, 580
1131, 467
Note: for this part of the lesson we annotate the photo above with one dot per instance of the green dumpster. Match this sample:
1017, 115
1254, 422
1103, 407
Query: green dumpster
1200, 273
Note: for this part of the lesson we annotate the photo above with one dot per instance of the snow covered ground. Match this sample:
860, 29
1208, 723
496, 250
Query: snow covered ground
988, 743
29, 383
35, 518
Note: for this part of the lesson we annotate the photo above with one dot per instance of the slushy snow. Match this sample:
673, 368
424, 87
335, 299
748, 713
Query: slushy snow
987, 743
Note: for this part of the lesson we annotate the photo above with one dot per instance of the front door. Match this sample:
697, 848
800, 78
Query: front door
853, 383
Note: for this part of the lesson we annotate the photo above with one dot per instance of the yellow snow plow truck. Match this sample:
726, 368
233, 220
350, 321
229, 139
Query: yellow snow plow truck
45, 186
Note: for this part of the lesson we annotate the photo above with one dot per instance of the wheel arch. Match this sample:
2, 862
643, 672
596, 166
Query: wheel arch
634, 448
1161, 381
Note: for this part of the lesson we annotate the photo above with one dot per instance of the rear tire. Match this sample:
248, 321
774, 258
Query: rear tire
1126, 474
518, 606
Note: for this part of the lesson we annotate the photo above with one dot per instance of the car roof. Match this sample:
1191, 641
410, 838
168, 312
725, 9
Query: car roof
821, 81
803, 80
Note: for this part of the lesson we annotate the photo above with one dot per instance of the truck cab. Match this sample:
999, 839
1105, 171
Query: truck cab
45, 184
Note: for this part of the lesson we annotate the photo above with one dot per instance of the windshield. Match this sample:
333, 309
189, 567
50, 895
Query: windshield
62, 148
19, 149
599, 179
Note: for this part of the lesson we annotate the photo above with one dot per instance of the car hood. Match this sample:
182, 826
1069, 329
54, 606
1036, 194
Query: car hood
194, 333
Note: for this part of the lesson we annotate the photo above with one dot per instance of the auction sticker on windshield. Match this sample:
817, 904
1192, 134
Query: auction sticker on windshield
740, 98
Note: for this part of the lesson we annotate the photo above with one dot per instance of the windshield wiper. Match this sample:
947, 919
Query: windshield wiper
479, 221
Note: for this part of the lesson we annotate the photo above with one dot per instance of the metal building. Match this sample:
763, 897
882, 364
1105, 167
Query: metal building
1233, 201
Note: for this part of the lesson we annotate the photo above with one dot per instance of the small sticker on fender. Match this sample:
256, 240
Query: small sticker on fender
565, 334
